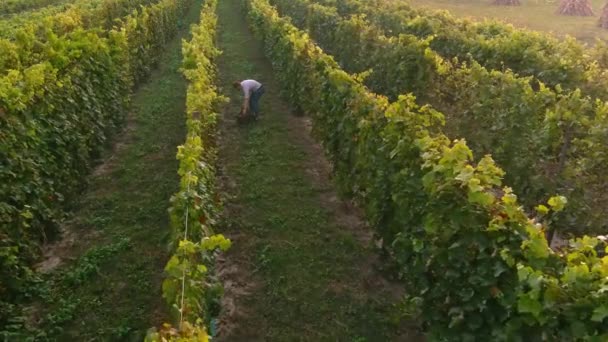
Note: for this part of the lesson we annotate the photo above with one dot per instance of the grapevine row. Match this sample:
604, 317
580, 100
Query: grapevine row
68, 17
189, 286
34, 38
56, 117
8, 7
493, 44
547, 141
474, 264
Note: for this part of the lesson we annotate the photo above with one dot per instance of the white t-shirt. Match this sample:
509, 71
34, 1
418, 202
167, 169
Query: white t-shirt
249, 86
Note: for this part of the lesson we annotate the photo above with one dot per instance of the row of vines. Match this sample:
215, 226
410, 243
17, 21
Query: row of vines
549, 141
57, 113
15, 6
493, 44
64, 17
190, 288
475, 265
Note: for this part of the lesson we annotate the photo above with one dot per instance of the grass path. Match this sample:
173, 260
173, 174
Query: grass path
301, 267
111, 260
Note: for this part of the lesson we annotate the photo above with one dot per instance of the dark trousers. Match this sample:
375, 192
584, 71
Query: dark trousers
254, 101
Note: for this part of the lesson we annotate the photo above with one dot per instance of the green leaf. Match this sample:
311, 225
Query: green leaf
418, 245
600, 313
542, 210
574, 274
482, 198
27, 214
509, 198
170, 289
474, 184
558, 203
466, 174
201, 268
527, 304
188, 247
499, 268
173, 267
431, 226
578, 329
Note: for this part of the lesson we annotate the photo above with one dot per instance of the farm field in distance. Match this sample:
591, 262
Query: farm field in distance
539, 15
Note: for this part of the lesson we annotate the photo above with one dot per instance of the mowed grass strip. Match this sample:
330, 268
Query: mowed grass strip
308, 275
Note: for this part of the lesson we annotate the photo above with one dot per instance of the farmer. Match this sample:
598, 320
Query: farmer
252, 91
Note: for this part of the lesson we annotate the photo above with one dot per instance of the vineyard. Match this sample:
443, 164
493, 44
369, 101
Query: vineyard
414, 176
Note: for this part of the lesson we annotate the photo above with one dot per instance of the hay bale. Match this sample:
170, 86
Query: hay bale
575, 7
604, 17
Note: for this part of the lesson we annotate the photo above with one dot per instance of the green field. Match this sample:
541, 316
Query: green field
532, 14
